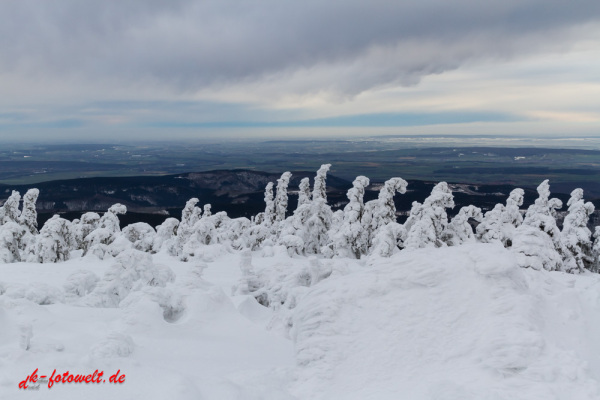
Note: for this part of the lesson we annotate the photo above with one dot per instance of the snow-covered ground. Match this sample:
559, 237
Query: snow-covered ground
460, 323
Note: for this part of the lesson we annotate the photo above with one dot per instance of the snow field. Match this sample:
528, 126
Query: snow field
452, 323
207, 349
462, 322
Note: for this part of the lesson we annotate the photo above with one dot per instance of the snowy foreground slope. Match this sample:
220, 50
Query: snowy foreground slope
460, 322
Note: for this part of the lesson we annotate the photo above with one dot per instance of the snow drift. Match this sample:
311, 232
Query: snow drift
463, 322
454, 323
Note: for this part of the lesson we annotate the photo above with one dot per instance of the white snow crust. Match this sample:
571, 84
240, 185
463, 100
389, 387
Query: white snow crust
463, 322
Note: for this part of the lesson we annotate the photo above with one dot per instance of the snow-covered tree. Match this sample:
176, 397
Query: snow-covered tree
281, 199
311, 221
207, 212
492, 229
304, 192
348, 238
575, 233
270, 212
429, 220
382, 211
204, 232
141, 235
166, 234
98, 241
320, 188
263, 227
595, 267
110, 219
234, 231
83, 227
459, 230
221, 223
190, 213
189, 216
11, 238
133, 270
385, 242
28, 216
54, 242
10, 209
538, 242
513, 206
499, 224
386, 211
256, 235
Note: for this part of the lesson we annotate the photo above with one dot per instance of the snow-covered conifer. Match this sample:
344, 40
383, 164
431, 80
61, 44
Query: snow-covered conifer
304, 192
256, 235
54, 242
263, 229
11, 236
281, 199
320, 188
575, 233
427, 221
98, 241
110, 219
491, 228
499, 224
204, 232
313, 219
83, 227
382, 211
595, 267
538, 241
270, 212
141, 235
513, 203
234, 231
385, 242
459, 230
387, 210
10, 209
207, 212
28, 216
348, 238
190, 213
189, 216
133, 270
165, 236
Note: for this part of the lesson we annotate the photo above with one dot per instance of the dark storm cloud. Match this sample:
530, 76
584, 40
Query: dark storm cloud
341, 46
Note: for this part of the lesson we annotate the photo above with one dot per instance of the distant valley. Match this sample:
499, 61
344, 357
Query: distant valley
154, 180
240, 193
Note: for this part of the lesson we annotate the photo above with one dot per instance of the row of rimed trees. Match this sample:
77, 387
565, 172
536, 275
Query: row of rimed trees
360, 229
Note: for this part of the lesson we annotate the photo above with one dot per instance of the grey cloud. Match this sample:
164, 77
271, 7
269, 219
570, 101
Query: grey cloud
342, 46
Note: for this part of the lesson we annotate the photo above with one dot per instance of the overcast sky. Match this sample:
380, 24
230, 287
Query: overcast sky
135, 69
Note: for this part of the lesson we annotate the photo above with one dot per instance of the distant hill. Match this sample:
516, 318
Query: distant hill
238, 192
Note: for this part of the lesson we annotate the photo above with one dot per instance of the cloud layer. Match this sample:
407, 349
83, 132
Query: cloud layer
266, 53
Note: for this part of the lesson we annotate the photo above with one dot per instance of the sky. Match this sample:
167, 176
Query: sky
152, 69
